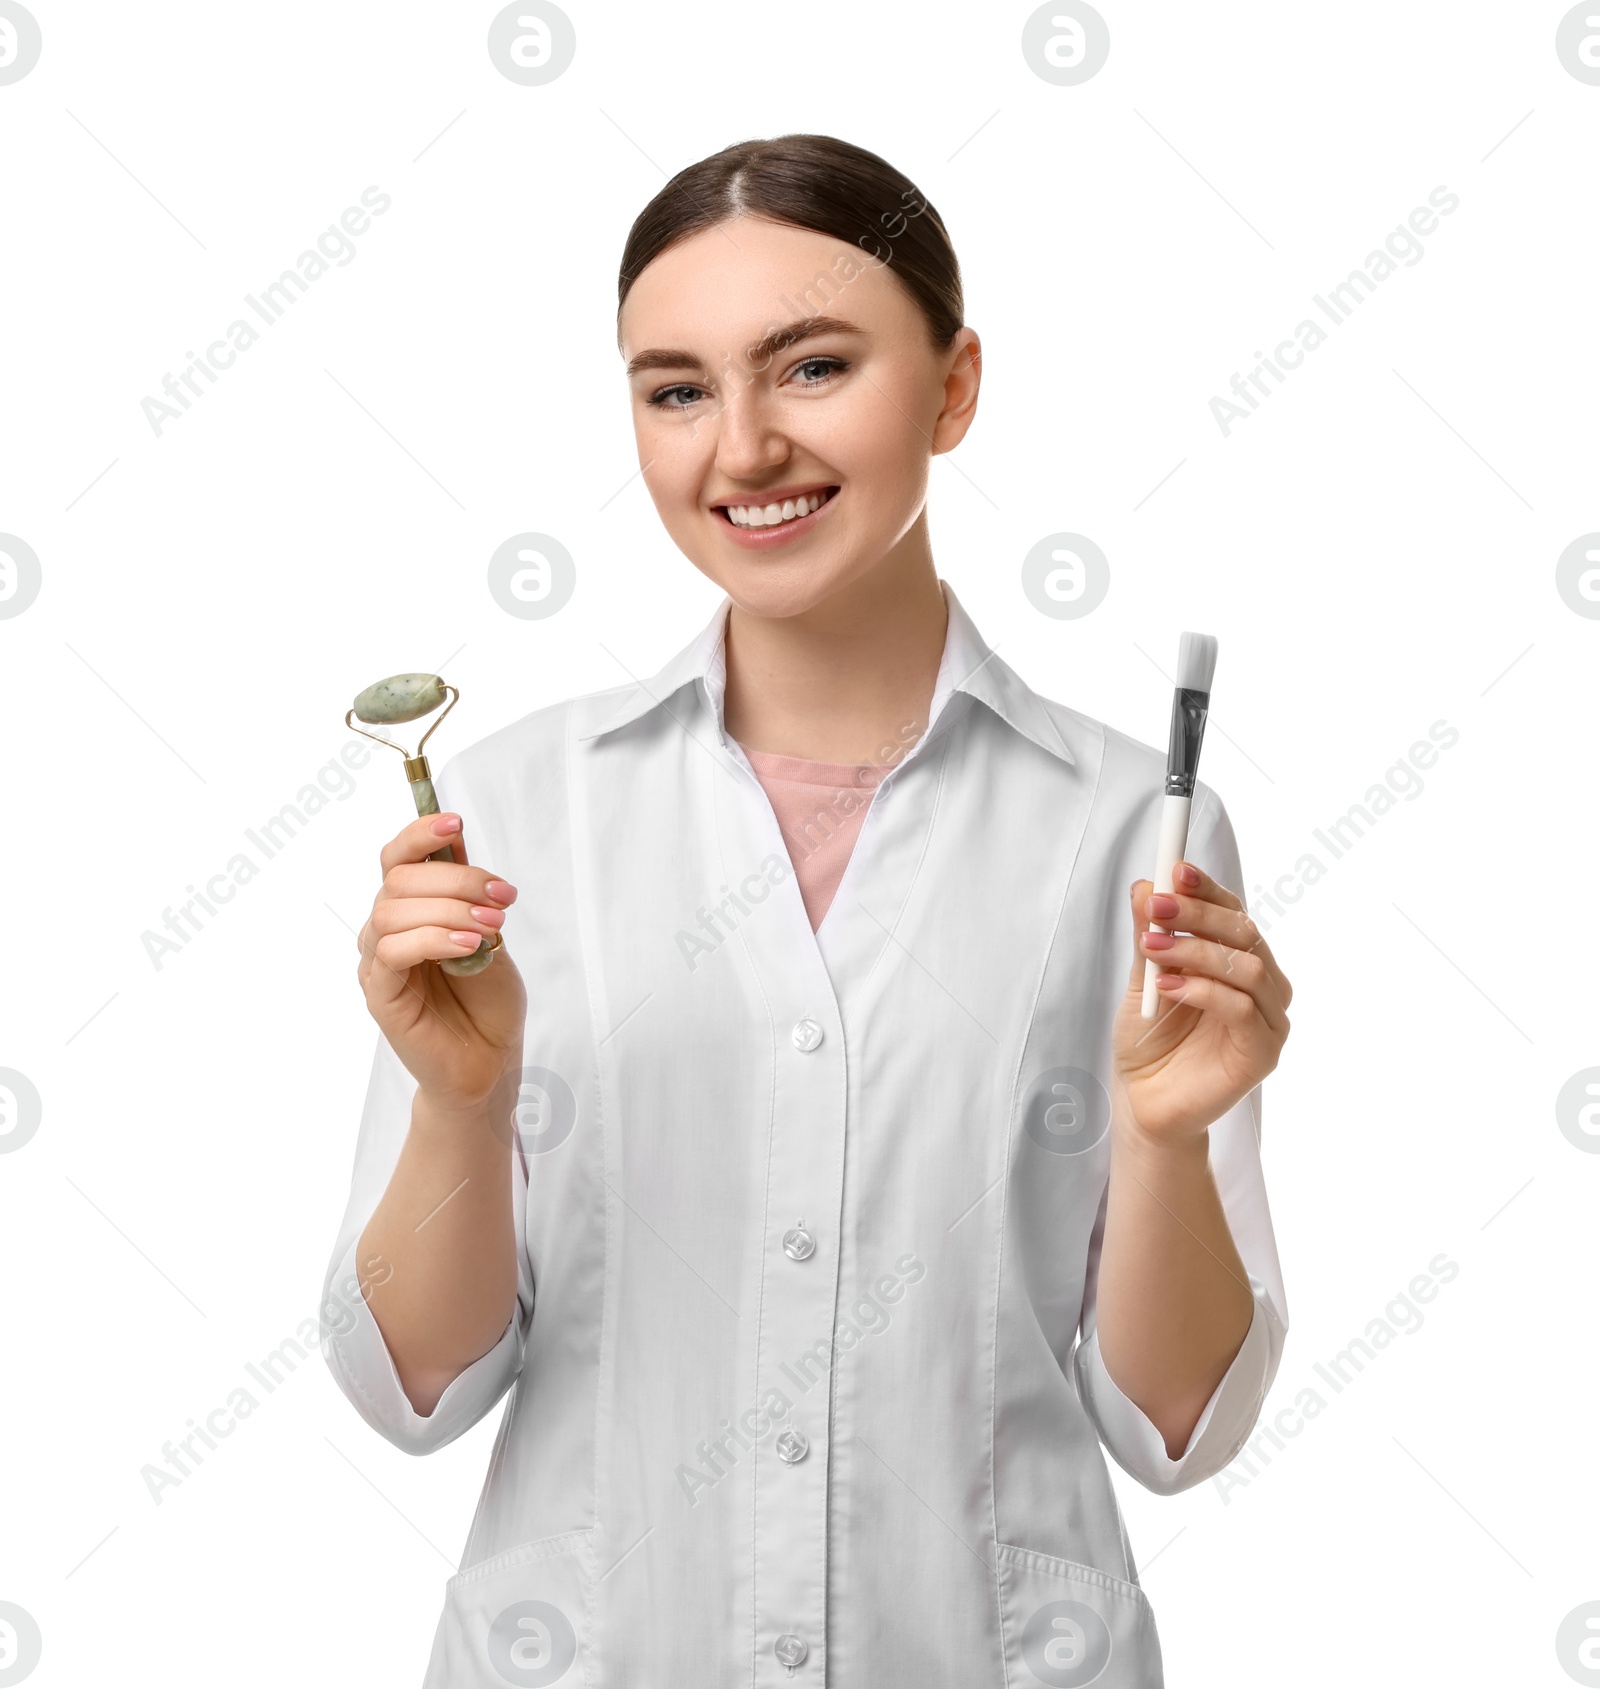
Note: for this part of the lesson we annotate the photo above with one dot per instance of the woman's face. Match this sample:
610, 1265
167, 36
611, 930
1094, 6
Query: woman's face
739, 423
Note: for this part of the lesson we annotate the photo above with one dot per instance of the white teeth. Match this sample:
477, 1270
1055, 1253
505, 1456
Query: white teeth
771, 515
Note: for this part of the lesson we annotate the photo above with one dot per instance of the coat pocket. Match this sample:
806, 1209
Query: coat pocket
1068, 1625
519, 1620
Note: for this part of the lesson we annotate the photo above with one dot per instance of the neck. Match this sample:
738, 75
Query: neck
849, 680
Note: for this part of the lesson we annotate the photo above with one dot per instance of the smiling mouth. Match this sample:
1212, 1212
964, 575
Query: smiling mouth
755, 517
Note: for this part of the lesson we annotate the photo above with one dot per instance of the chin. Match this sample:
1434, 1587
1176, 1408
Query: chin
770, 588
773, 583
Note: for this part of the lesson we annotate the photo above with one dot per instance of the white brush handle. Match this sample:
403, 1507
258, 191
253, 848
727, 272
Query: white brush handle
1171, 843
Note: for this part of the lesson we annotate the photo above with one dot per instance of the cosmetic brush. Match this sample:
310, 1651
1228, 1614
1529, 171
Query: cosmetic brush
1197, 662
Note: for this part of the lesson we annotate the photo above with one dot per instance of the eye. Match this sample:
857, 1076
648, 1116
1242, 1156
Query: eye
829, 368
666, 398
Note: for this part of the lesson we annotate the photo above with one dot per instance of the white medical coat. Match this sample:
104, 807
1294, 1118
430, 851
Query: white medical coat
804, 1381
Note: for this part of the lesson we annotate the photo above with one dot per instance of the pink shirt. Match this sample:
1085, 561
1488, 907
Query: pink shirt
819, 806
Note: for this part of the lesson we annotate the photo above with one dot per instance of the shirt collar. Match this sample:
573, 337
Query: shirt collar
967, 666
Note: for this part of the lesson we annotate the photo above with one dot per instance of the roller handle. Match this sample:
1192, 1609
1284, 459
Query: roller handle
428, 804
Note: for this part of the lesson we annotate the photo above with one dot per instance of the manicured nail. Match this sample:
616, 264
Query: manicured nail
1168, 982
502, 891
466, 938
1157, 940
1161, 907
489, 917
1188, 873
447, 823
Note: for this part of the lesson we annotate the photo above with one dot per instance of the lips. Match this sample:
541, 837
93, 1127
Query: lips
783, 532
777, 507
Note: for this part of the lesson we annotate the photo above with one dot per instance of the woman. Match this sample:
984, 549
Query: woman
827, 1120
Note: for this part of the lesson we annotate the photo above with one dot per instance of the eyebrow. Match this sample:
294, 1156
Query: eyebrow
802, 328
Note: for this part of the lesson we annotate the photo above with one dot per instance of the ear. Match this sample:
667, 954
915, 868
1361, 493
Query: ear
963, 374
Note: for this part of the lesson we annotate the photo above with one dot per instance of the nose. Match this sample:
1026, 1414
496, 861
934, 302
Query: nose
749, 438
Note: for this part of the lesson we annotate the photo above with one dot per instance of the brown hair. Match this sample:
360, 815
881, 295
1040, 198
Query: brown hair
813, 182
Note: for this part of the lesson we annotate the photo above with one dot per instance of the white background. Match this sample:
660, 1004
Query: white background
1375, 548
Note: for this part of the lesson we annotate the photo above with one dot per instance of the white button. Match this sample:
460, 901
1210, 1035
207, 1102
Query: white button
791, 1650
807, 1034
792, 1446
798, 1243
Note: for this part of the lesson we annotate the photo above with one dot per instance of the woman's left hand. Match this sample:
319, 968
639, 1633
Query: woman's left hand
1219, 1029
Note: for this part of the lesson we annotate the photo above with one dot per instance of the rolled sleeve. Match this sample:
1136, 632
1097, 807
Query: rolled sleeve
352, 1342
1235, 1152
1224, 1423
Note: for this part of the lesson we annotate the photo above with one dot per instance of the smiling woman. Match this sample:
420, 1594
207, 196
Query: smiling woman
790, 313
652, 1199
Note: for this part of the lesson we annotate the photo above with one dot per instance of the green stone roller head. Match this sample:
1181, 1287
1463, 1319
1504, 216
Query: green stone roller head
401, 698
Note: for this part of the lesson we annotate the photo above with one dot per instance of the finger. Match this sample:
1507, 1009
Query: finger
1210, 910
1210, 996
392, 957
1138, 893
447, 879
419, 839
1243, 971
1189, 879
401, 914
1211, 917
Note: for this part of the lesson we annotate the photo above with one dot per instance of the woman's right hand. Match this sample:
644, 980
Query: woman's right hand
457, 1035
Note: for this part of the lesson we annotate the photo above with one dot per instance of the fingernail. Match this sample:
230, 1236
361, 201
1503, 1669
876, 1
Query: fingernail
1157, 940
447, 823
1162, 907
489, 917
502, 891
464, 939
1189, 874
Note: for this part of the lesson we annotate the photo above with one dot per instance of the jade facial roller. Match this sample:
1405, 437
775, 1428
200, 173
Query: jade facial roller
401, 698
